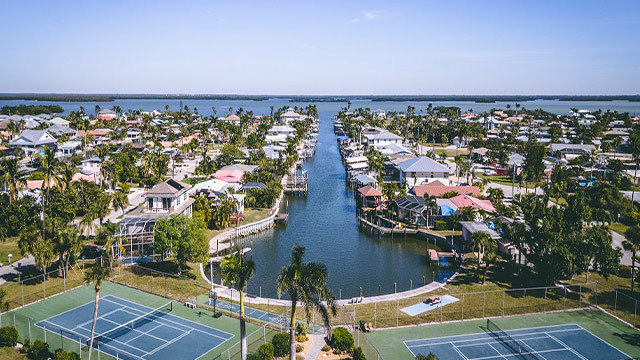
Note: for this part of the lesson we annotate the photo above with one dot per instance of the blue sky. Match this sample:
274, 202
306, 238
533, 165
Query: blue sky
321, 47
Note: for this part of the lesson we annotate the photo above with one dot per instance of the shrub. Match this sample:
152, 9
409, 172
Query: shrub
441, 225
301, 329
8, 336
326, 348
265, 352
301, 338
280, 345
431, 356
63, 355
299, 348
358, 354
341, 339
38, 350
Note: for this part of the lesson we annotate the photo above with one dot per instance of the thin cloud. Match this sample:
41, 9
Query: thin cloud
369, 16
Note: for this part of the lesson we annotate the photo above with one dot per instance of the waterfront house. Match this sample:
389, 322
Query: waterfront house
370, 197
33, 141
421, 170
289, 116
59, 121
273, 151
60, 130
410, 209
286, 130
170, 197
463, 200
378, 137
69, 148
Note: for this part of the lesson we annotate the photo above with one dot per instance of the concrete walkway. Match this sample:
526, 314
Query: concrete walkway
616, 242
316, 345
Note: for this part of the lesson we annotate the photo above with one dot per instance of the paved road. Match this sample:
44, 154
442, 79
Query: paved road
9, 271
617, 240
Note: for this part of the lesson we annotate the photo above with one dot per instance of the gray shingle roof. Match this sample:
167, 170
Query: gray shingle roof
422, 164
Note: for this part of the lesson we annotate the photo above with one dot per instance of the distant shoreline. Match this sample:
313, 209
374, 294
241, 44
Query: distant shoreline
313, 98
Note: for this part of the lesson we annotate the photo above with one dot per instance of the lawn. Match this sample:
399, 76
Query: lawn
11, 354
504, 180
250, 215
619, 228
10, 246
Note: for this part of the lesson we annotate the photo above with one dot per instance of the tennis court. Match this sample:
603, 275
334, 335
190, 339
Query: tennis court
249, 312
130, 331
569, 342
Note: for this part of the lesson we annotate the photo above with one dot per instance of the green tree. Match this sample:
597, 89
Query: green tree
306, 283
183, 237
632, 244
236, 272
12, 177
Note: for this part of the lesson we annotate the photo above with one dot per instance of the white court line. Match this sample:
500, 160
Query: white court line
567, 347
476, 334
599, 338
497, 341
144, 333
190, 328
130, 329
459, 352
101, 317
168, 343
533, 351
488, 337
499, 353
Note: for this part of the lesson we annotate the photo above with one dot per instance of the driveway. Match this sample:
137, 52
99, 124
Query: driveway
616, 242
10, 271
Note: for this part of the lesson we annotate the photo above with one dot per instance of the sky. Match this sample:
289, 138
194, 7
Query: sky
321, 47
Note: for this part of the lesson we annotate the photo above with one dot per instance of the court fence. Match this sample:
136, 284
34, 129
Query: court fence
499, 303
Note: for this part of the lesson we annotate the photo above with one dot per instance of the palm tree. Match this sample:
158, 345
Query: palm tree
120, 200
96, 275
432, 204
479, 238
236, 272
67, 171
49, 166
307, 283
12, 177
632, 243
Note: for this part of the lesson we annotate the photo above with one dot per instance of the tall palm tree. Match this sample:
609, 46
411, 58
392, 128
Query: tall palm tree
66, 173
632, 243
96, 275
307, 283
49, 166
479, 238
119, 200
12, 177
236, 272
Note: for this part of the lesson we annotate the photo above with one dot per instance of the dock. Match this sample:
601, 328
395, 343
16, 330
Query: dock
281, 218
296, 184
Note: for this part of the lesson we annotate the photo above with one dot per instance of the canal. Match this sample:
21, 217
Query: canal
324, 222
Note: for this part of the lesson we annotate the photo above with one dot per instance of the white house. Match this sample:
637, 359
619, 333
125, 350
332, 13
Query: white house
422, 170
378, 137
33, 141
69, 148
170, 197
290, 116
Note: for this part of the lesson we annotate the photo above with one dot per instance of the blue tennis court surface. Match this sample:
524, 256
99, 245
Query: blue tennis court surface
249, 312
567, 342
154, 335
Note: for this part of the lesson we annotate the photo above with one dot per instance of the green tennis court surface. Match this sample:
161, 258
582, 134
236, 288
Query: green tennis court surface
582, 335
132, 324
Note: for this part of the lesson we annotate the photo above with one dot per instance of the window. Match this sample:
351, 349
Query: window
166, 203
150, 203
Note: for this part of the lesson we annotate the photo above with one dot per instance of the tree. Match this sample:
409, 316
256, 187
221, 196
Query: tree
119, 200
533, 163
632, 243
489, 252
49, 166
183, 237
597, 253
236, 272
96, 275
306, 283
33, 242
12, 177
479, 240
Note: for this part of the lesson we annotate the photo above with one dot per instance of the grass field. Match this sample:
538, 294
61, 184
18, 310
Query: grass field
26, 317
250, 215
619, 228
10, 246
390, 342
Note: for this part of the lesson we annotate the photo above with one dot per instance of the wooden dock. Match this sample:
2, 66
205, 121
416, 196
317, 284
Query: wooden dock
295, 185
281, 218
385, 230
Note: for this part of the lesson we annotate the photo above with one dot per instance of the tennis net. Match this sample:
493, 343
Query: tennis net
514, 345
135, 323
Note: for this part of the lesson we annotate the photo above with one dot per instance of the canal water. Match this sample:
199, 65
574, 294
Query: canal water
324, 221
